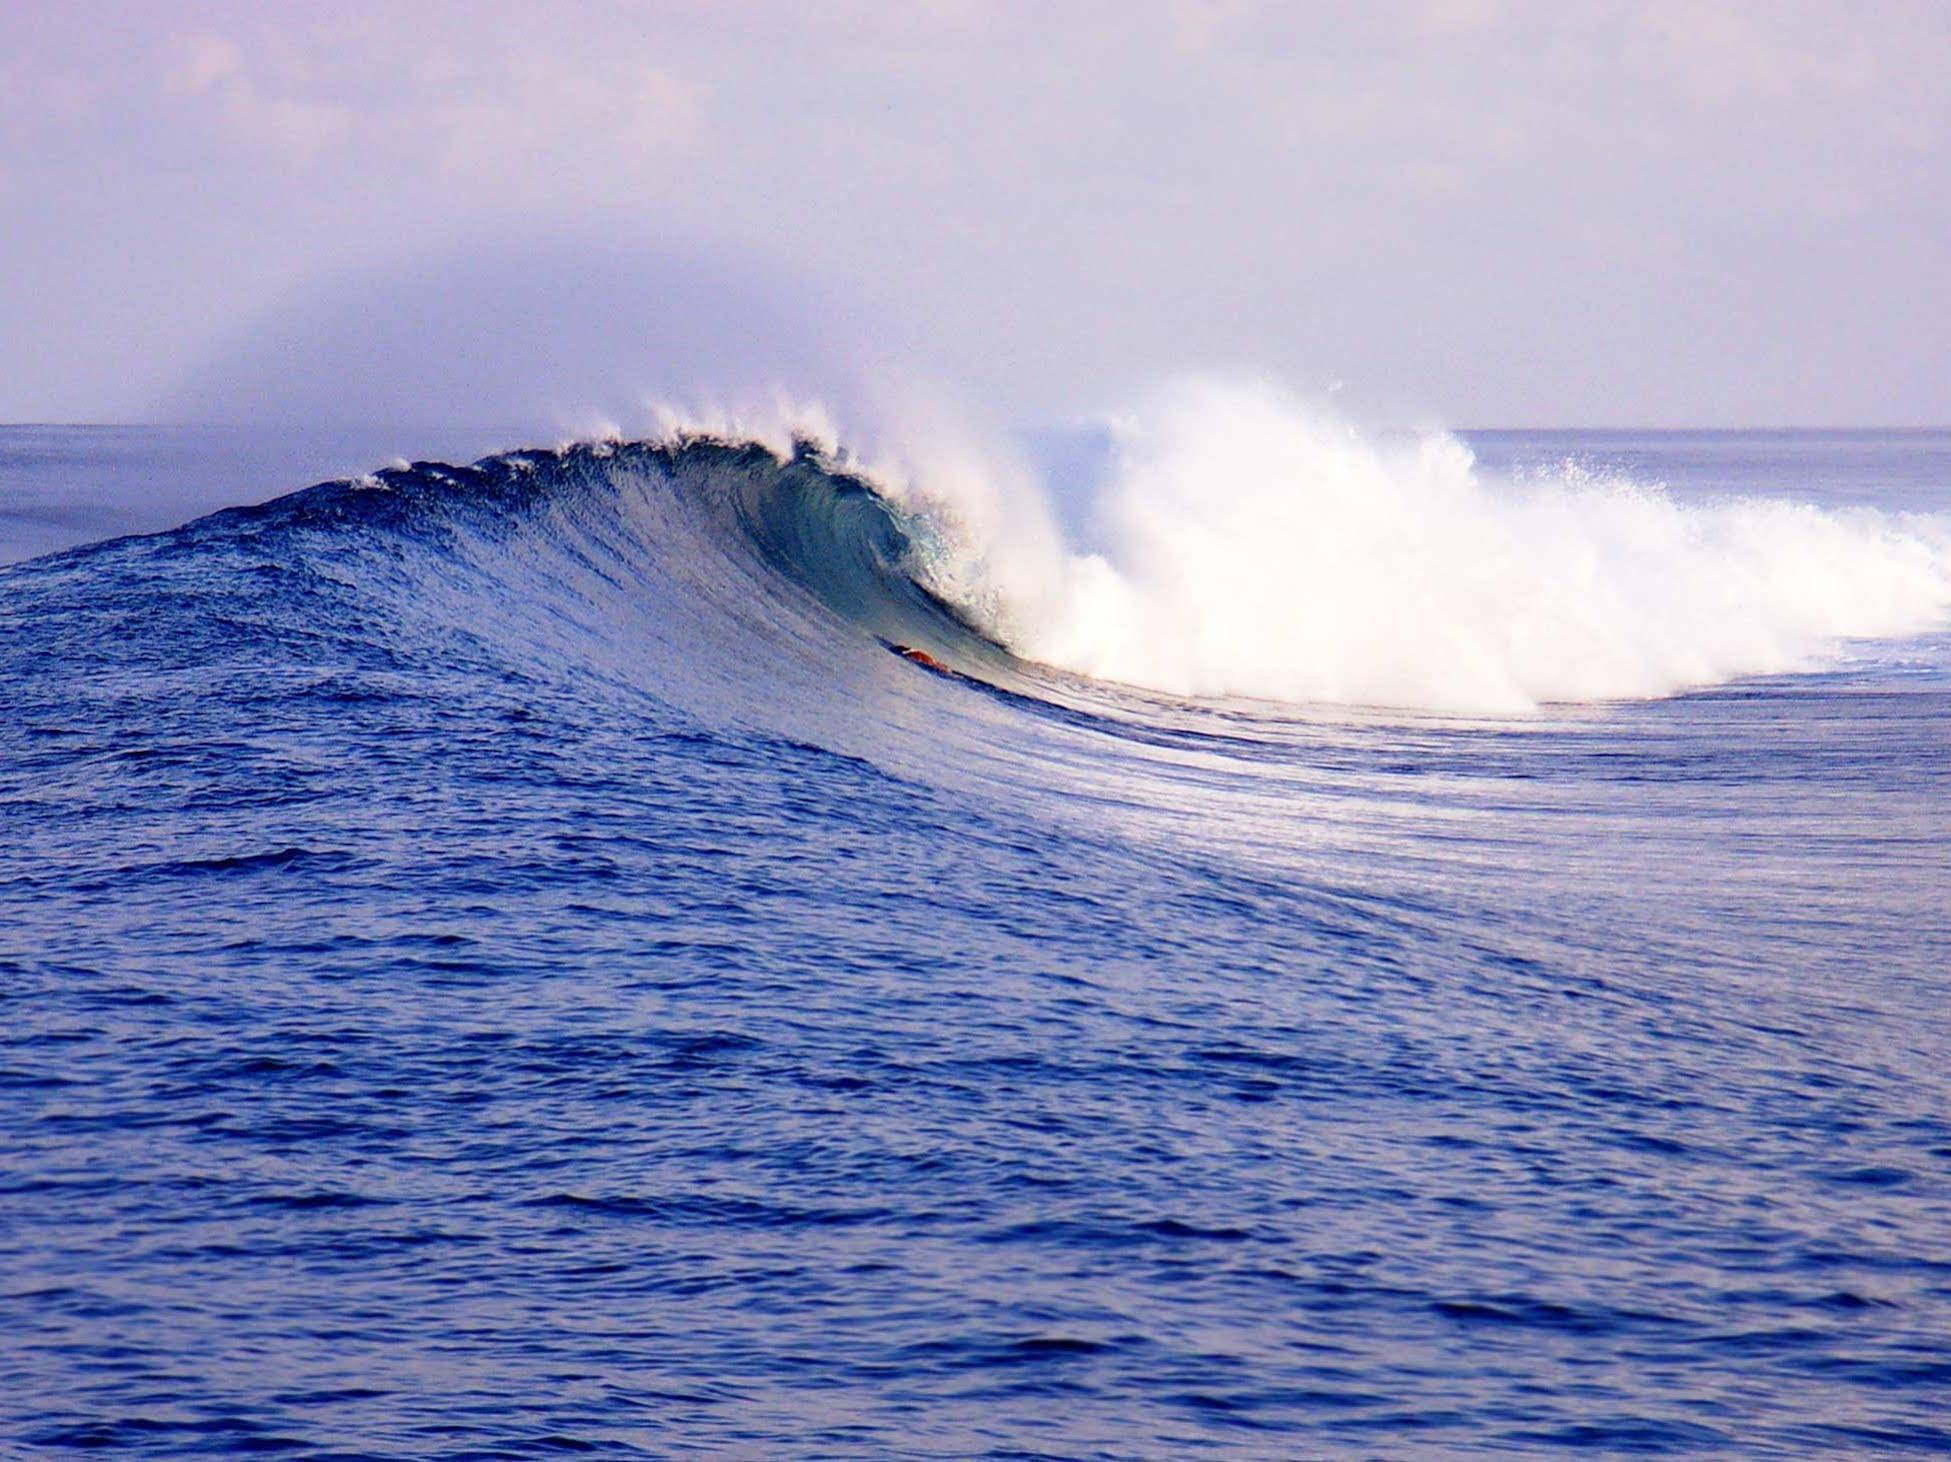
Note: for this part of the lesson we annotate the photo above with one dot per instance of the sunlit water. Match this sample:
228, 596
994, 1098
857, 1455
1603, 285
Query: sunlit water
502, 963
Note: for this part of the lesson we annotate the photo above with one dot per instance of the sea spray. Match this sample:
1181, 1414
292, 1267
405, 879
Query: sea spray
1256, 545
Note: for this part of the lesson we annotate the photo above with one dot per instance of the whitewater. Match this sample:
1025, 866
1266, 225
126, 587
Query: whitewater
1403, 942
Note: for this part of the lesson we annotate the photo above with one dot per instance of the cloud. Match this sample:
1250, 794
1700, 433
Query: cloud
488, 112
1457, 17
1720, 54
206, 61
1197, 24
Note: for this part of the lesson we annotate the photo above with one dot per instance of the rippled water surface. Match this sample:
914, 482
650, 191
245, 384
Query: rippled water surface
503, 962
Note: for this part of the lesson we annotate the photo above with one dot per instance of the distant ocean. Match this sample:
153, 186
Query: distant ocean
1328, 945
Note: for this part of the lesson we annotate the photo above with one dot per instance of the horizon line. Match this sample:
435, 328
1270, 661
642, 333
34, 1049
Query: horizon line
1830, 428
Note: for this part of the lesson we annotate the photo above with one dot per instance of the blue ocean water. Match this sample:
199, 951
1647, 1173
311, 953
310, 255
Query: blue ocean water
502, 961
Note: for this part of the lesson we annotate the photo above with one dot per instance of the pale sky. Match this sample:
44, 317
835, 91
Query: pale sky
1632, 212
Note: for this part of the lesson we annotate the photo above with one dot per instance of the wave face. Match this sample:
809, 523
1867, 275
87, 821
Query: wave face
1264, 992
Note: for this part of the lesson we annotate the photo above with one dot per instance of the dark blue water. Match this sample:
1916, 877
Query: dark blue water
505, 963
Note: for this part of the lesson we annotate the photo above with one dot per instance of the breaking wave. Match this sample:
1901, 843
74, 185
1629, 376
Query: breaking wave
1241, 543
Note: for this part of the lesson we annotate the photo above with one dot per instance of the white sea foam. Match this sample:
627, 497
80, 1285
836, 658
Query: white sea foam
1257, 546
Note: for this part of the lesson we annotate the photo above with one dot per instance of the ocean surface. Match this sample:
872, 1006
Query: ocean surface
505, 961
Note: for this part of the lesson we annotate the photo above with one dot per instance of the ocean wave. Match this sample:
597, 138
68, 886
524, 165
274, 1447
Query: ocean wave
1247, 544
